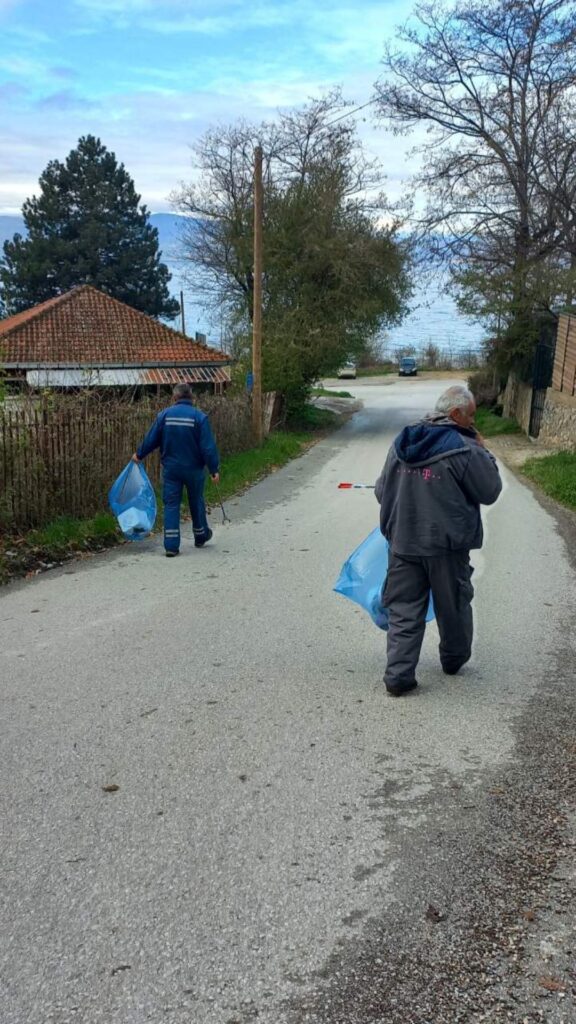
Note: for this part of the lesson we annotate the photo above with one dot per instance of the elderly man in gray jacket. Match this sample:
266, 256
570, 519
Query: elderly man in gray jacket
437, 475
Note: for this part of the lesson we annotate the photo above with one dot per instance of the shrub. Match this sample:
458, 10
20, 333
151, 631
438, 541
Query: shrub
485, 386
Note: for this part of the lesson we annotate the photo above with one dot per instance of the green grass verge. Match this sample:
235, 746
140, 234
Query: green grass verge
374, 371
491, 425
64, 537
59, 535
245, 468
555, 475
324, 392
54, 543
311, 419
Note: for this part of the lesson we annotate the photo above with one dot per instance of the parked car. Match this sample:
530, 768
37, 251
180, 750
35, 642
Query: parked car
348, 371
408, 367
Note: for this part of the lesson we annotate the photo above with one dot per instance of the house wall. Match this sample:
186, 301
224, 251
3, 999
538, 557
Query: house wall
559, 420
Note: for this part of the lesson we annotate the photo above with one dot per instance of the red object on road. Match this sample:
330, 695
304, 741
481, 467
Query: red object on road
346, 487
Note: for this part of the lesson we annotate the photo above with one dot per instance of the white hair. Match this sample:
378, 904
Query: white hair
456, 397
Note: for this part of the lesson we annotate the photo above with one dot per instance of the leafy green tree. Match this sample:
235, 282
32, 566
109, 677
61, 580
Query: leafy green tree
86, 227
335, 269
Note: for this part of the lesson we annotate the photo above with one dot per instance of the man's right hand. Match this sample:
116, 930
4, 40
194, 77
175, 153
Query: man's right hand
215, 478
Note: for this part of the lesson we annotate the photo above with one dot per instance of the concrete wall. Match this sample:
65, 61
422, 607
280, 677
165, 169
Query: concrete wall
559, 420
518, 402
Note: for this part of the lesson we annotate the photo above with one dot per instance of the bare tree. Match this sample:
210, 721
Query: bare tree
431, 355
492, 83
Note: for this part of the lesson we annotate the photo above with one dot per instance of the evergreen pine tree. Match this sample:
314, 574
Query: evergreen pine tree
86, 227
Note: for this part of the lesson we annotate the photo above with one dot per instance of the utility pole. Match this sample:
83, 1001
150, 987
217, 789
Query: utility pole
257, 423
182, 312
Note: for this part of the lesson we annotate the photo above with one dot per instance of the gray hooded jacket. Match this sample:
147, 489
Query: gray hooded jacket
435, 478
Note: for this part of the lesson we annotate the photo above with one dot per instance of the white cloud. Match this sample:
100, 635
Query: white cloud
170, 10
232, 18
23, 67
25, 34
345, 26
65, 100
152, 132
151, 128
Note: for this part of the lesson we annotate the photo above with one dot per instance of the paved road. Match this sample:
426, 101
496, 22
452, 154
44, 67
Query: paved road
286, 844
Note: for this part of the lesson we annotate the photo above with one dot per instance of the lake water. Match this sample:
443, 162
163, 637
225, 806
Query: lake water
434, 318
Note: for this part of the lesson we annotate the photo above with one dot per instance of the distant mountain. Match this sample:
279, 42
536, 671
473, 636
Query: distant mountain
9, 225
168, 225
435, 317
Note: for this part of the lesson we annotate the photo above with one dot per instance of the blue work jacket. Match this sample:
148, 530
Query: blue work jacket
184, 437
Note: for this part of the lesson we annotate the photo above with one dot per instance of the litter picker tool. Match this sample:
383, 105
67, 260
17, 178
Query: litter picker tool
348, 487
225, 518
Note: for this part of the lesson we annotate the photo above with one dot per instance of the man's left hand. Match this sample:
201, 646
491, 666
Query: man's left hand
135, 458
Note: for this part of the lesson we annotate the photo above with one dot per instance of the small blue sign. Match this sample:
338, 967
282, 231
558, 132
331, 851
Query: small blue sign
249, 382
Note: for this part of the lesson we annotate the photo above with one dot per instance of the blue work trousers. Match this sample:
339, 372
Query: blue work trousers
173, 483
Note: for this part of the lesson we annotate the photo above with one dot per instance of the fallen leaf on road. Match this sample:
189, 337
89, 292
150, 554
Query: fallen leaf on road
496, 791
552, 984
433, 914
121, 967
529, 915
111, 788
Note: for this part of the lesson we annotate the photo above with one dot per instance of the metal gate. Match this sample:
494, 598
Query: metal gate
541, 381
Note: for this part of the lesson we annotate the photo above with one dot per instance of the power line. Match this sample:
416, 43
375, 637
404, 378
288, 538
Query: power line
349, 113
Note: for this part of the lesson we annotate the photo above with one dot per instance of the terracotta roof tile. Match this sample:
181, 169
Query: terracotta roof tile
85, 327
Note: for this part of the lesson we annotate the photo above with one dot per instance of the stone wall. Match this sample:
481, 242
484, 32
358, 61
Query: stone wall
518, 402
559, 420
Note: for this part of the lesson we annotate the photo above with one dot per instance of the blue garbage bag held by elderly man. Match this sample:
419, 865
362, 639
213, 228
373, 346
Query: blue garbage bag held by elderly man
187, 446
437, 475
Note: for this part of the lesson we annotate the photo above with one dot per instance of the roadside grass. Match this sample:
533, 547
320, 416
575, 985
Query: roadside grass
57, 541
65, 531
387, 369
66, 537
374, 371
311, 419
555, 475
324, 392
491, 425
245, 468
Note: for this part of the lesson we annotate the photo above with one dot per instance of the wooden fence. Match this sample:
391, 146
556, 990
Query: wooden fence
564, 375
59, 455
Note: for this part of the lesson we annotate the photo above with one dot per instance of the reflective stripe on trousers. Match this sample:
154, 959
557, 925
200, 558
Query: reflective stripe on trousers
173, 484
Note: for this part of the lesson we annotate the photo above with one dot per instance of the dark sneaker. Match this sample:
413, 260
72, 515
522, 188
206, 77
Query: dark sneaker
171, 554
203, 540
399, 691
452, 666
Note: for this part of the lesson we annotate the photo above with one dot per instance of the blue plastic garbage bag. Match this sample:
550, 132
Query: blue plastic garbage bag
363, 576
133, 502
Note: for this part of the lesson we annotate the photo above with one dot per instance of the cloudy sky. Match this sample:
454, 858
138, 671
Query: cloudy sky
149, 76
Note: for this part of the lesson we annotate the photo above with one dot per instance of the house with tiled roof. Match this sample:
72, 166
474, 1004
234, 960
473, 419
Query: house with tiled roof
85, 338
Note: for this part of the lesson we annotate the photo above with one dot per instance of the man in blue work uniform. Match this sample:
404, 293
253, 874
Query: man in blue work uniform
187, 446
